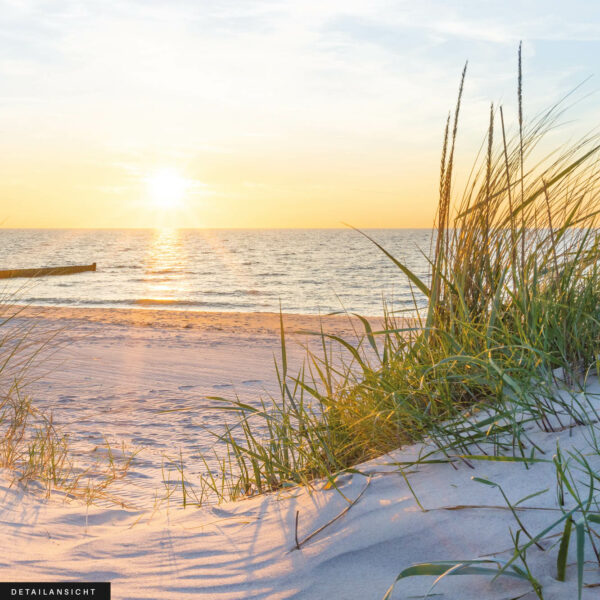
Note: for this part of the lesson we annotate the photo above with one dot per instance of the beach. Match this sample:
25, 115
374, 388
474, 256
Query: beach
145, 379
118, 375
299, 301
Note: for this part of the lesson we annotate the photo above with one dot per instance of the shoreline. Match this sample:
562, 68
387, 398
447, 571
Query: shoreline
245, 322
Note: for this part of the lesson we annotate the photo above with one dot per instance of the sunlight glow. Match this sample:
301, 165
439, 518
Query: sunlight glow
166, 188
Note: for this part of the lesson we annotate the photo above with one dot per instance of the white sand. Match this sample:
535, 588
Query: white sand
142, 377
116, 376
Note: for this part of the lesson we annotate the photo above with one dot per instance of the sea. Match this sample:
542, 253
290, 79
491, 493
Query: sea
306, 271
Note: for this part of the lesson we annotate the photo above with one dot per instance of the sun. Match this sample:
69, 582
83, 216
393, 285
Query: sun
166, 188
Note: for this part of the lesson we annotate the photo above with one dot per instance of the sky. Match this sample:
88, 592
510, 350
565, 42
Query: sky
304, 113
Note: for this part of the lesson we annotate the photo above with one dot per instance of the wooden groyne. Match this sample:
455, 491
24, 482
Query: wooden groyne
44, 271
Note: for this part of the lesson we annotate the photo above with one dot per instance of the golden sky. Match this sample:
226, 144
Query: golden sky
259, 113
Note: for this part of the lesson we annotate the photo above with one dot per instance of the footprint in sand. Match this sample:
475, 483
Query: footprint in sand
186, 387
141, 441
219, 386
252, 381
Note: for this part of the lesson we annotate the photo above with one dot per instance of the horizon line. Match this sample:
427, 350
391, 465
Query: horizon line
205, 228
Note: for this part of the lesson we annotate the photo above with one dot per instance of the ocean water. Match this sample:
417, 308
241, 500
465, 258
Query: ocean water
308, 271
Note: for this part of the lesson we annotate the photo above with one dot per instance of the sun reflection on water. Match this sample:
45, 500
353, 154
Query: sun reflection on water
166, 278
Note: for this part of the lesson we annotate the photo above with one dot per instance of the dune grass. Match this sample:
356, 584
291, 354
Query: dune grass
510, 334
35, 452
513, 304
30, 446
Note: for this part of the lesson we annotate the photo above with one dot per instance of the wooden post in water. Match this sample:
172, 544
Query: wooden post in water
43, 271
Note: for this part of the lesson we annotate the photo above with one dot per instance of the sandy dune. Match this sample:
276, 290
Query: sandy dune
120, 369
245, 550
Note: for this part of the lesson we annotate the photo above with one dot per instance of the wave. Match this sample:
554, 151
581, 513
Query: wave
175, 270
131, 267
167, 302
144, 302
74, 302
244, 306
